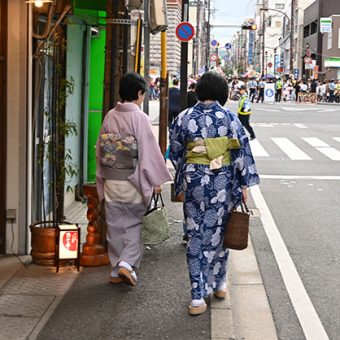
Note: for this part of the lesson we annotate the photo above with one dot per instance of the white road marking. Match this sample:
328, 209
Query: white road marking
304, 309
315, 142
290, 149
284, 177
337, 139
301, 126
257, 149
323, 147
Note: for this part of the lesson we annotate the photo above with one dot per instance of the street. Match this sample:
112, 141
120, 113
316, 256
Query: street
297, 152
297, 155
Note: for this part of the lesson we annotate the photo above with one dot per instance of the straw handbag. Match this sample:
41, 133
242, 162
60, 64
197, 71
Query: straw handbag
237, 228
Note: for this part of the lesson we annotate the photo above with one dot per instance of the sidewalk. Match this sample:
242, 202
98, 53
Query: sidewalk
37, 303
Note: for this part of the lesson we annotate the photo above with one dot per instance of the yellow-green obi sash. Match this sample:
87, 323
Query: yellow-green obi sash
214, 152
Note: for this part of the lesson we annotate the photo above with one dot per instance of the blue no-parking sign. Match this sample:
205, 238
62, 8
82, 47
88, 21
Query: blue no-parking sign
185, 31
228, 46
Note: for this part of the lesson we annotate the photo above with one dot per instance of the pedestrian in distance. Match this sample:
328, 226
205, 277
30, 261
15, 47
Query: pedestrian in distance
278, 90
192, 98
244, 111
252, 85
214, 167
130, 168
174, 101
262, 85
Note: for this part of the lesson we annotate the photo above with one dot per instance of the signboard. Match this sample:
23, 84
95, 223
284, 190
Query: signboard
251, 47
310, 65
227, 46
307, 60
185, 31
332, 62
68, 241
269, 93
213, 57
316, 72
326, 25
296, 73
276, 61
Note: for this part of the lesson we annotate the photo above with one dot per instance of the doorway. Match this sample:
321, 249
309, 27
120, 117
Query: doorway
3, 119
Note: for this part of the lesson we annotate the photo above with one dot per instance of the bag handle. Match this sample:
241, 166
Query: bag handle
244, 207
154, 200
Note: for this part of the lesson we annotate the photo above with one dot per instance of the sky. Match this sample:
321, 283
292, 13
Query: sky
230, 12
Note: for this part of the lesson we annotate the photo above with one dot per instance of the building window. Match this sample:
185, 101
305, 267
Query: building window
306, 31
313, 27
279, 6
329, 39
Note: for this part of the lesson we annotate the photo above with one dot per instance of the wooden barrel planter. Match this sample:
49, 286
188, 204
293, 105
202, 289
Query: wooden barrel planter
43, 243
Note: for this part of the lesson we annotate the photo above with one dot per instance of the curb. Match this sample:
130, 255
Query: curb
245, 313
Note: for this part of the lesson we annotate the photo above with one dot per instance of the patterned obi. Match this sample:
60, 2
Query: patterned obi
118, 155
214, 152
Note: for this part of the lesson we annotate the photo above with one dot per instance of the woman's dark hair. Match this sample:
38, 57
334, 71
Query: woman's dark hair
129, 86
212, 86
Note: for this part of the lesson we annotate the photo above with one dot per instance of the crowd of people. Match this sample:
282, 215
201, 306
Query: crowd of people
290, 90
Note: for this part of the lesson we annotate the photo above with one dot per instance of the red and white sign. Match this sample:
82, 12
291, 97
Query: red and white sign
68, 241
185, 31
270, 64
308, 60
213, 57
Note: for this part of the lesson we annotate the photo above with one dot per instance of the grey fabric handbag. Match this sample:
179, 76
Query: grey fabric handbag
155, 226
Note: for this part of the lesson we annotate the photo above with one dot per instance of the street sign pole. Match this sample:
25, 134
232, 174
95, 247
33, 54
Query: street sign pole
184, 59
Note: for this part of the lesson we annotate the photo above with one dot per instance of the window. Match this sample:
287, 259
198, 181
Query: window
329, 39
279, 6
313, 27
306, 31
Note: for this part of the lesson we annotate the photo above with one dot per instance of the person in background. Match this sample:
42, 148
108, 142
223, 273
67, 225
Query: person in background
331, 88
192, 99
130, 167
278, 88
214, 167
174, 101
252, 86
244, 111
262, 85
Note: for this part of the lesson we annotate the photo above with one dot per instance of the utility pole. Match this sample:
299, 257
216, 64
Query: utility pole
291, 65
184, 59
263, 37
198, 33
146, 53
208, 37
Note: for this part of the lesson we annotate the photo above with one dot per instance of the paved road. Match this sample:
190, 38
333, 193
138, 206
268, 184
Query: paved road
298, 155
297, 240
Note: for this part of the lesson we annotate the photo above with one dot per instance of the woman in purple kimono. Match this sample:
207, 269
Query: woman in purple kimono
130, 167
214, 167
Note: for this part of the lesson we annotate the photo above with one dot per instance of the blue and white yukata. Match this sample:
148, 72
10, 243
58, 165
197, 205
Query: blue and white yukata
209, 194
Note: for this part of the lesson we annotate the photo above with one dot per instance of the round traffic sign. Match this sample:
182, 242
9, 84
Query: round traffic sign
308, 60
185, 31
213, 42
269, 93
213, 57
228, 46
270, 64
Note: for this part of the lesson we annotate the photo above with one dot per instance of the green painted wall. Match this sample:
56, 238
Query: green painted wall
96, 90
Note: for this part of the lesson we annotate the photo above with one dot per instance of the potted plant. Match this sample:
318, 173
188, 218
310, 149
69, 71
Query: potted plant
52, 161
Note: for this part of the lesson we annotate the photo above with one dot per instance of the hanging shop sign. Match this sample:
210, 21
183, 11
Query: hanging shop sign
326, 25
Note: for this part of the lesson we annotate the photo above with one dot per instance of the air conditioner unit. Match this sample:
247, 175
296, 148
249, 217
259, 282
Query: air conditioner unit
158, 19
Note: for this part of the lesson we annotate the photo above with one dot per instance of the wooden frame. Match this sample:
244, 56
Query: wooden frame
66, 255
3, 118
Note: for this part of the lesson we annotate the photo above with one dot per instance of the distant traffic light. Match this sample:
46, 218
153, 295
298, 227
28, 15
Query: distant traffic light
249, 26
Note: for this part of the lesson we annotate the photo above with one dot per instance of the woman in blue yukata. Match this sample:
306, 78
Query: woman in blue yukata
214, 168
